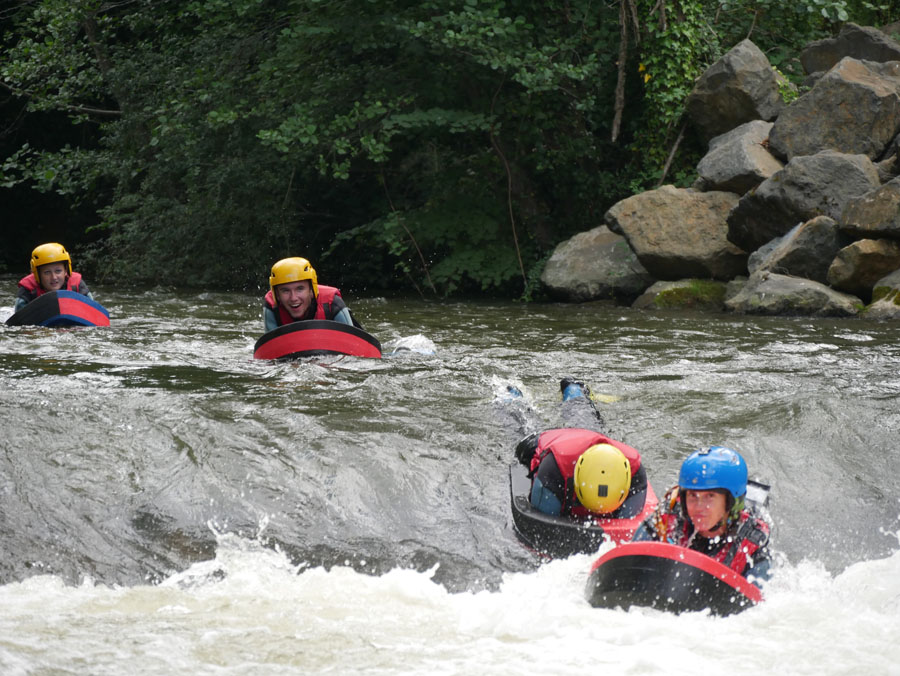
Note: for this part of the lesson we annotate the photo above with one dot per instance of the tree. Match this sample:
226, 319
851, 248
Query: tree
445, 145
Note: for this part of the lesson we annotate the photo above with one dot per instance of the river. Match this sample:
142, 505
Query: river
169, 505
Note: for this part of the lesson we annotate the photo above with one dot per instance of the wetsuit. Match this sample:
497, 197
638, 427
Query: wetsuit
743, 546
29, 289
327, 305
551, 456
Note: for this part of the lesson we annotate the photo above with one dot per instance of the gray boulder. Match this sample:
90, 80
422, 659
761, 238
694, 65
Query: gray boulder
805, 251
678, 233
808, 186
858, 267
738, 160
766, 293
860, 42
854, 108
875, 214
740, 87
885, 298
595, 265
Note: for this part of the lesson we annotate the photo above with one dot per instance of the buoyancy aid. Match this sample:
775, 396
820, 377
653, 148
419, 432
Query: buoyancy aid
567, 445
328, 303
735, 549
30, 284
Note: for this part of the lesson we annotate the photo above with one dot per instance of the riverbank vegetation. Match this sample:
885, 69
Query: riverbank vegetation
441, 146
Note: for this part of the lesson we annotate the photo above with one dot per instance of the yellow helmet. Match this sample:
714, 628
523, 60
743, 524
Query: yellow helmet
602, 478
293, 270
49, 253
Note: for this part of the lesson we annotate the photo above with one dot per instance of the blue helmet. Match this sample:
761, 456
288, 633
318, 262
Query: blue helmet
714, 467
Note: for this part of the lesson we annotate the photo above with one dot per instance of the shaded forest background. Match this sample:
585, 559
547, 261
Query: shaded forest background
439, 147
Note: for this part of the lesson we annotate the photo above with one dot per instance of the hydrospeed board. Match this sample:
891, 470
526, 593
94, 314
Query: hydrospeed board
314, 337
667, 577
61, 308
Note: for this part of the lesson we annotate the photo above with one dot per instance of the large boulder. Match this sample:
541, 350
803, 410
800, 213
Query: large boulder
854, 108
808, 186
875, 214
805, 251
885, 298
860, 42
738, 160
678, 233
766, 293
595, 265
740, 87
858, 266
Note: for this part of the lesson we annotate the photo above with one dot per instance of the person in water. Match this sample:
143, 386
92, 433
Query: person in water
295, 295
51, 270
707, 512
581, 473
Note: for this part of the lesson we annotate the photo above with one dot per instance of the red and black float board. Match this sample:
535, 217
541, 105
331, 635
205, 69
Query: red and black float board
61, 308
667, 577
314, 337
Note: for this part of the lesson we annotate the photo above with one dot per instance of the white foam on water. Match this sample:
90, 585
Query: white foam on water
251, 611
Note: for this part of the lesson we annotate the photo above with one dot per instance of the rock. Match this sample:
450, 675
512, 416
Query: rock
889, 168
854, 108
876, 214
740, 87
766, 293
885, 298
805, 251
858, 267
734, 287
863, 43
678, 233
738, 160
696, 294
808, 186
594, 265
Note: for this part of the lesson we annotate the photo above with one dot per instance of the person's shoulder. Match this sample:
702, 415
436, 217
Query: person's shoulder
644, 533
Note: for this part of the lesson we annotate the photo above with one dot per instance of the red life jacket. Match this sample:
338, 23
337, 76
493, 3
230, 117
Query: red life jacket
738, 546
567, 445
31, 284
325, 305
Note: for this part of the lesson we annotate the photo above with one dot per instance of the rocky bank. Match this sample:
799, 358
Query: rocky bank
796, 208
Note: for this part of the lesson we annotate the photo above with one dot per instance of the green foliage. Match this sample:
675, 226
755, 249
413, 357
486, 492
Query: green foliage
445, 145
465, 235
674, 48
533, 287
786, 89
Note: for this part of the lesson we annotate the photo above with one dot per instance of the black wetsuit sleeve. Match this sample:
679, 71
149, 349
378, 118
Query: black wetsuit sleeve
84, 290
23, 298
335, 307
551, 479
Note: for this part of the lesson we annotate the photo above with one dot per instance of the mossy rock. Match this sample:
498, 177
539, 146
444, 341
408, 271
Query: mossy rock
887, 294
692, 293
